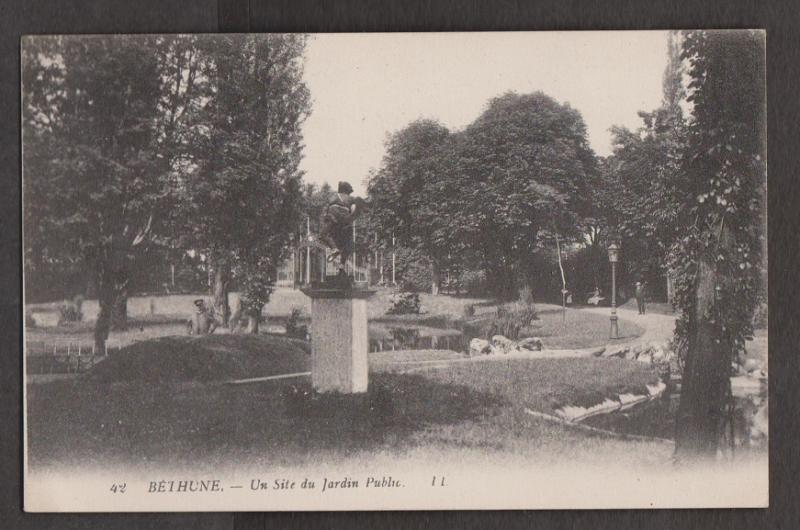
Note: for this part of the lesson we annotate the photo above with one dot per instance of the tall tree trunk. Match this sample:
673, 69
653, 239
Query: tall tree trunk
219, 290
102, 326
119, 314
435, 277
706, 378
253, 321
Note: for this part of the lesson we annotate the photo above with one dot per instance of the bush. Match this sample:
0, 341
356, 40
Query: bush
294, 329
404, 304
509, 320
473, 281
469, 310
70, 310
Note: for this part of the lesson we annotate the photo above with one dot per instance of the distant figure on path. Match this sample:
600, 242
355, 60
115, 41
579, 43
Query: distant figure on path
202, 322
337, 222
640, 297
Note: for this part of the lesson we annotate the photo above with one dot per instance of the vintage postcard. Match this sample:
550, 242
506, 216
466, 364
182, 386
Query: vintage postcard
509, 270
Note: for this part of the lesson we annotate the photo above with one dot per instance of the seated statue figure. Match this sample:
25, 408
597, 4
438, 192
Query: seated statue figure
337, 223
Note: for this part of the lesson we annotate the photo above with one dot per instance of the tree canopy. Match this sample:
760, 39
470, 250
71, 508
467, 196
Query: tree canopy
162, 139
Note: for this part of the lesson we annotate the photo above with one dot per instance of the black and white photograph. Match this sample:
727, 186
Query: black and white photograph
395, 271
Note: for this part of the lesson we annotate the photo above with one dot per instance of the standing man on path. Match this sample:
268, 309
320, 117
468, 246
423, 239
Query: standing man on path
640, 297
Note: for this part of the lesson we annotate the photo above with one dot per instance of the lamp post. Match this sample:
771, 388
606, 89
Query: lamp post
393, 260
613, 257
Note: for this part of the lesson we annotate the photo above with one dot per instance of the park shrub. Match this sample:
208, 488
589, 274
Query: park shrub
474, 281
404, 304
510, 319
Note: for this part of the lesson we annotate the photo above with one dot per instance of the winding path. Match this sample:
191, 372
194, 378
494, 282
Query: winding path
657, 327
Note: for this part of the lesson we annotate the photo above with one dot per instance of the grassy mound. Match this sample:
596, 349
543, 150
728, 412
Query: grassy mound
209, 358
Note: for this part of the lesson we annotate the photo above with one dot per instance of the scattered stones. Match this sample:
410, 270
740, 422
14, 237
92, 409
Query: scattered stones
479, 347
616, 351
530, 344
598, 352
623, 401
656, 389
503, 345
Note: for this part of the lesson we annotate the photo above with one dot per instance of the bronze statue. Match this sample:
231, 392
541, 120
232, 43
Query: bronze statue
337, 223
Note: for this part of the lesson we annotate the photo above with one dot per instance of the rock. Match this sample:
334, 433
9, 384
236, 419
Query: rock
479, 347
616, 351
501, 344
751, 365
598, 352
531, 344
760, 425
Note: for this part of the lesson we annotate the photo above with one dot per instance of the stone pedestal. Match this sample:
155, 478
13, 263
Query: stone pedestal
339, 339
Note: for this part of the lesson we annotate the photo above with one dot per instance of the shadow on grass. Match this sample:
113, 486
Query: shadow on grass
80, 421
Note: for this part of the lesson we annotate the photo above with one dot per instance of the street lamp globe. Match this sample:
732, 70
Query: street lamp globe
613, 251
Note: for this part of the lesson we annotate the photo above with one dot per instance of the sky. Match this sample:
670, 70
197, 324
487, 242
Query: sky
366, 86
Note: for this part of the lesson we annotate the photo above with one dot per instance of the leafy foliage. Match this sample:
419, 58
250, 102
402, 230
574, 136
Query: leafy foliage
414, 201
96, 163
644, 181
242, 201
718, 260
404, 304
525, 168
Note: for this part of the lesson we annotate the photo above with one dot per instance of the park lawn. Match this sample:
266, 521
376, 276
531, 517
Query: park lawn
200, 421
582, 329
573, 329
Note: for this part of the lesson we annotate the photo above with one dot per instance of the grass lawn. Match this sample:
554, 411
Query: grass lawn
128, 410
580, 329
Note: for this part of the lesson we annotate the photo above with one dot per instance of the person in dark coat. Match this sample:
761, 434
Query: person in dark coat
640, 297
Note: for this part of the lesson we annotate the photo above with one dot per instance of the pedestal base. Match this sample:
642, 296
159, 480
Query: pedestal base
339, 340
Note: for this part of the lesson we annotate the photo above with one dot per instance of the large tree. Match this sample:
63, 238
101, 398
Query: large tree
718, 258
242, 197
642, 184
524, 166
414, 198
95, 165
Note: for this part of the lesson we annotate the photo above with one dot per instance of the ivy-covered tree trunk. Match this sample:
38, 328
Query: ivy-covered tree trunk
219, 290
705, 383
